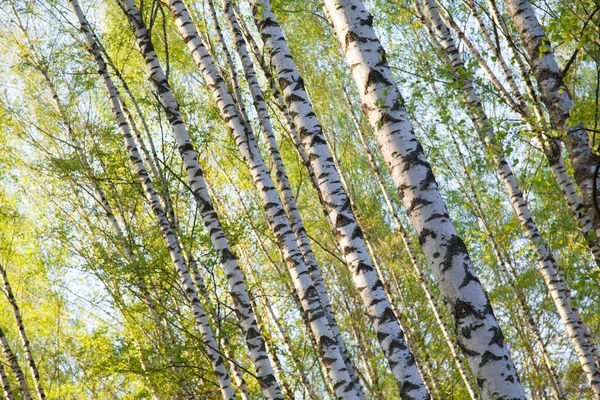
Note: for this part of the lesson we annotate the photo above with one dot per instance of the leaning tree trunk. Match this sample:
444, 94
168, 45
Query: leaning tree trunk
508, 271
22, 334
8, 394
249, 149
310, 395
558, 101
14, 366
337, 206
412, 255
102, 201
237, 286
549, 268
170, 240
276, 217
477, 330
288, 289
552, 148
285, 188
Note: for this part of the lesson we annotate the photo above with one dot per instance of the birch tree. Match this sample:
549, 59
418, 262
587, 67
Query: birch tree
547, 263
22, 334
337, 205
166, 230
277, 219
558, 101
14, 366
236, 282
8, 394
287, 195
477, 330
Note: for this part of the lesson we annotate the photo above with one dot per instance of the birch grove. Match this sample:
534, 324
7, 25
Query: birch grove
299, 199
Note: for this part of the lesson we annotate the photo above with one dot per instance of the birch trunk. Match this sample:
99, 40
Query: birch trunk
8, 394
558, 101
237, 286
423, 365
14, 366
509, 273
548, 266
276, 217
412, 255
288, 393
296, 299
237, 373
103, 202
552, 148
22, 334
165, 227
477, 330
288, 198
301, 309
288, 347
337, 207
105, 205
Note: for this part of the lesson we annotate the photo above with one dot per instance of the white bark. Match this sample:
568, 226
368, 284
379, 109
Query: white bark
288, 346
549, 268
276, 217
558, 101
337, 206
22, 334
8, 394
288, 198
551, 147
421, 278
237, 286
165, 227
478, 332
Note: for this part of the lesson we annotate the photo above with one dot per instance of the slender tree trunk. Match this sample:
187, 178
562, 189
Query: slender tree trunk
276, 217
237, 372
237, 286
283, 183
235, 369
337, 207
548, 266
103, 201
287, 390
423, 367
22, 334
14, 366
305, 314
477, 330
551, 147
165, 227
423, 363
8, 394
558, 101
288, 346
292, 292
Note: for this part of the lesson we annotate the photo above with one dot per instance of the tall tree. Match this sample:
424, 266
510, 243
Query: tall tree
558, 101
337, 206
477, 330
22, 334
14, 366
165, 227
549, 268
282, 180
236, 282
276, 217
8, 394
